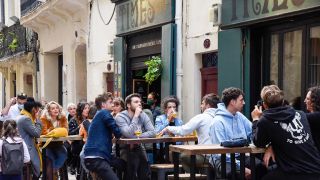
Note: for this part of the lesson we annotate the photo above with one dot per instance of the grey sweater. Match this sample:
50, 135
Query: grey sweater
128, 125
29, 131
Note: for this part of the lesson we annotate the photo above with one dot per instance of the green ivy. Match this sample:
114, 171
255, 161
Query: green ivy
1, 43
1, 38
14, 43
154, 69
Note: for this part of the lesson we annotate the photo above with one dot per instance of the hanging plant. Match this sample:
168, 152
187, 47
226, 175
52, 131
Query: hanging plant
154, 69
14, 43
1, 40
1, 43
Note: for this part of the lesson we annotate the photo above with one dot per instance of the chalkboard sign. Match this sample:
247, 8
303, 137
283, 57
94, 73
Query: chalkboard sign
141, 87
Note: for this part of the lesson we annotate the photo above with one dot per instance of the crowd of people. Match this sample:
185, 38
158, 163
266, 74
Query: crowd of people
291, 137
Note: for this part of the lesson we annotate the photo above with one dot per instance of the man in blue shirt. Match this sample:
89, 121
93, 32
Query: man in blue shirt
229, 123
98, 147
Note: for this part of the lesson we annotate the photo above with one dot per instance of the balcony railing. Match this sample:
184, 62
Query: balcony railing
16, 39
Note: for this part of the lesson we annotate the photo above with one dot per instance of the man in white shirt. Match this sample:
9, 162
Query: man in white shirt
201, 123
13, 108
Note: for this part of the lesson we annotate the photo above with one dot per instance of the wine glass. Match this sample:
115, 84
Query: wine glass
138, 132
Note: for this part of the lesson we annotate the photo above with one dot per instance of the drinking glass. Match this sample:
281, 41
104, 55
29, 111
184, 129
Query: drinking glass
138, 132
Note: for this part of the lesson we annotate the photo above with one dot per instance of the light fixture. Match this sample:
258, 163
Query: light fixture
215, 14
110, 48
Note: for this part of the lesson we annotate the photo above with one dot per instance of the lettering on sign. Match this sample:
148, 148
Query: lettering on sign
243, 11
262, 7
137, 14
146, 44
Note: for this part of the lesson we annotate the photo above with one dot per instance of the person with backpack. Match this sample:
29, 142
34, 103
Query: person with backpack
13, 152
30, 127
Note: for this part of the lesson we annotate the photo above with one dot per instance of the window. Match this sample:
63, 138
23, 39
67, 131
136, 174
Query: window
314, 60
288, 55
285, 62
274, 59
292, 57
210, 60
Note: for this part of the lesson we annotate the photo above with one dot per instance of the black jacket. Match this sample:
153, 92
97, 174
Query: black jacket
289, 133
314, 121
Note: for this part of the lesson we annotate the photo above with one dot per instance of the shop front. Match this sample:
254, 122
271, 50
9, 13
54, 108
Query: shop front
145, 29
274, 42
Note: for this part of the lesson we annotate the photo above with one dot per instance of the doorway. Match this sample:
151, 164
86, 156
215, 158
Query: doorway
209, 73
60, 80
137, 83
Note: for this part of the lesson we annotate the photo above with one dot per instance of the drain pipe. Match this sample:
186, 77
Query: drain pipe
179, 64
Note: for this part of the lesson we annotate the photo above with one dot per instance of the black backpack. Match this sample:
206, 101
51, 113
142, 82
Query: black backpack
12, 158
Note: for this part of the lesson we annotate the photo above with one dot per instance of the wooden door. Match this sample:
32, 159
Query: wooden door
209, 80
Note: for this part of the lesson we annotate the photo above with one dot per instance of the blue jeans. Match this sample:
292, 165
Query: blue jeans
137, 164
10, 177
101, 167
57, 155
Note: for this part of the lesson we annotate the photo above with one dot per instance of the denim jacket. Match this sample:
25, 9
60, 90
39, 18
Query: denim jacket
162, 122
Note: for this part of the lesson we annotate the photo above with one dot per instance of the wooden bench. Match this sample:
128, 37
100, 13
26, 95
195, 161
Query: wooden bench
162, 170
187, 176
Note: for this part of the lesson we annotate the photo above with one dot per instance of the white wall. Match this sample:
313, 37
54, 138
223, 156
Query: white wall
49, 76
60, 37
100, 37
12, 7
21, 70
81, 73
196, 28
2, 103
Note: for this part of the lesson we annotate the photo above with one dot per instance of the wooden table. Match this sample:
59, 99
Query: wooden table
166, 140
194, 150
43, 153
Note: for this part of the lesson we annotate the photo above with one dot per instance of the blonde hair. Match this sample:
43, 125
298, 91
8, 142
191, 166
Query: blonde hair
46, 110
71, 105
272, 96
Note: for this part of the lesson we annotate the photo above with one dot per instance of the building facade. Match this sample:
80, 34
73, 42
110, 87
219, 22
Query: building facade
145, 29
181, 35
270, 42
75, 52
18, 59
199, 54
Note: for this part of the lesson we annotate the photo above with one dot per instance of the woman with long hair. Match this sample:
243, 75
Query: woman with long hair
10, 135
82, 112
53, 117
118, 106
84, 126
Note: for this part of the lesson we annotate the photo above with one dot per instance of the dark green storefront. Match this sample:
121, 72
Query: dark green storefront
270, 42
145, 28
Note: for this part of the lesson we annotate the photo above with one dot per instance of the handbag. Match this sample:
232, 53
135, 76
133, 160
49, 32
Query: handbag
55, 133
